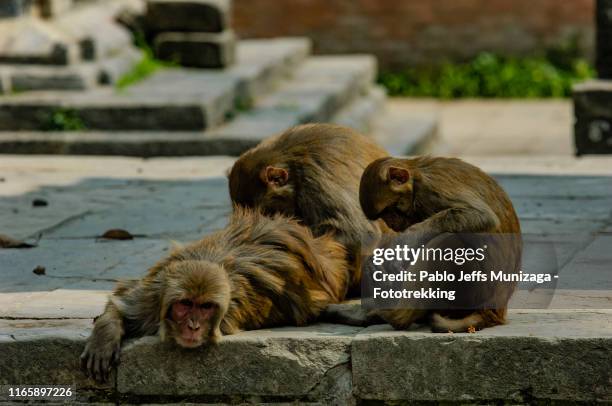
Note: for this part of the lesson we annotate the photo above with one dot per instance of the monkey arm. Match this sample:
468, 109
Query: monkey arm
459, 220
133, 310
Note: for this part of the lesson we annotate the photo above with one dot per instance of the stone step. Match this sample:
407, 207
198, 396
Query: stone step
173, 99
323, 89
528, 359
30, 40
82, 76
404, 134
362, 113
197, 49
88, 32
187, 16
94, 29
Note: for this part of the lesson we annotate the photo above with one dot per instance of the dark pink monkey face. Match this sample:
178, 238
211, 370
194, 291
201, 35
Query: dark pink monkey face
193, 321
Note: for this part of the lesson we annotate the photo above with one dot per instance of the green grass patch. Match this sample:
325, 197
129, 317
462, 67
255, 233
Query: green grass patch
490, 76
147, 66
65, 120
142, 70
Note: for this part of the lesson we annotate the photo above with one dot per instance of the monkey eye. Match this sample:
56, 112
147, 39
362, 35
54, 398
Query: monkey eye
186, 302
207, 305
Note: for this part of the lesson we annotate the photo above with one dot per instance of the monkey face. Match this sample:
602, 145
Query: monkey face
386, 192
196, 298
191, 321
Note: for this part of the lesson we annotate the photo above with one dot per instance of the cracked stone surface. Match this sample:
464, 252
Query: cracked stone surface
44, 319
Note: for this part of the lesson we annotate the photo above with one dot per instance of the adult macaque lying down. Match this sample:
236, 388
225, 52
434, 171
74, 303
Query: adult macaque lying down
257, 272
425, 197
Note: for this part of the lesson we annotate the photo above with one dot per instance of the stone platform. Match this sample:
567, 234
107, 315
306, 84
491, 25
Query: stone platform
562, 352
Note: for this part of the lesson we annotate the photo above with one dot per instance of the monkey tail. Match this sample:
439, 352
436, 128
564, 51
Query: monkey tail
478, 320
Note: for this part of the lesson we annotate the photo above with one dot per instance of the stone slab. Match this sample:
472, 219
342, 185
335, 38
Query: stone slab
528, 359
50, 349
34, 41
363, 111
82, 76
316, 92
32, 77
403, 133
196, 49
191, 15
94, 29
281, 363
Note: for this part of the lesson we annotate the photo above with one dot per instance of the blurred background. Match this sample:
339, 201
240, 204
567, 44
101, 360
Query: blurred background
466, 77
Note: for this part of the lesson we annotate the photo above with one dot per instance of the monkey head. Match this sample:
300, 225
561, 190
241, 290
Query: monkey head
194, 303
258, 184
386, 191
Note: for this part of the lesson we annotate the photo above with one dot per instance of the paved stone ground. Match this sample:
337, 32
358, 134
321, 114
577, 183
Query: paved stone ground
564, 204
499, 127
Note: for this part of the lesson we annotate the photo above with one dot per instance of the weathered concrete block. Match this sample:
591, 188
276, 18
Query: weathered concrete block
29, 78
200, 50
96, 32
115, 114
36, 42
593, 117
531, 358
36, 352
284, 363
188, 15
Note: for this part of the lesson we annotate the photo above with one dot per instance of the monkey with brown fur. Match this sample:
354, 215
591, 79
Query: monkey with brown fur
432, 196
312, 172
257, 272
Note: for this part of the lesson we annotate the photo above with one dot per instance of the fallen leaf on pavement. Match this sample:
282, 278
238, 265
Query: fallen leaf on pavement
117, 234
8, 242
40, 270
39, 203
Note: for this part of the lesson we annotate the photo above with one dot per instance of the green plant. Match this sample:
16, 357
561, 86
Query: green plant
144, 68
64, 120
489, 75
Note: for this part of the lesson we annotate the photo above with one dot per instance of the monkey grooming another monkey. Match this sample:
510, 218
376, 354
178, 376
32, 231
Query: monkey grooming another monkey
428, 196
312, 172
257, 272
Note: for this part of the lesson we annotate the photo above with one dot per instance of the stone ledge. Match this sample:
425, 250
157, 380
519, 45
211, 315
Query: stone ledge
540, 355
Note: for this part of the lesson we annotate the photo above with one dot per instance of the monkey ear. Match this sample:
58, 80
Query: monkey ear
398, 179
276, 176
398, 176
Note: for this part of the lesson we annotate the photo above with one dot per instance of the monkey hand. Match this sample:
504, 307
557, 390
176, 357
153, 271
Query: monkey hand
99, 357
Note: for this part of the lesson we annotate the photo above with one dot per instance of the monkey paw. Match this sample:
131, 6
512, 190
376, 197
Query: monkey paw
98, 359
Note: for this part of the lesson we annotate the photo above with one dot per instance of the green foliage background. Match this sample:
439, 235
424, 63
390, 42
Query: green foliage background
489, 75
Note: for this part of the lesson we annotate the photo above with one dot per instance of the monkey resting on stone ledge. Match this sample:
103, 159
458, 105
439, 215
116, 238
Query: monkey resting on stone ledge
257, 272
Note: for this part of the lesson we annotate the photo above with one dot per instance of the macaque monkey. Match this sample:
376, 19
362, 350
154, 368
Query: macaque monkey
257, 272
427, 196
312, 172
